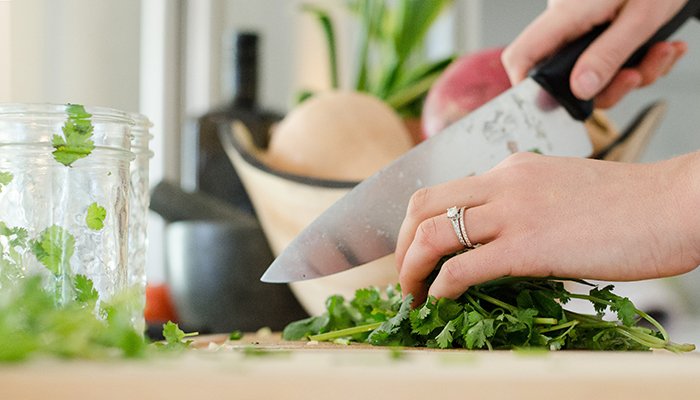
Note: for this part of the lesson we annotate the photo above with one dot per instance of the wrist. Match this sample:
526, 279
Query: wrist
686, 189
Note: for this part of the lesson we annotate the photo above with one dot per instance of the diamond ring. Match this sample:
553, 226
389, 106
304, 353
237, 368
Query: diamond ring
454, 214
463, 229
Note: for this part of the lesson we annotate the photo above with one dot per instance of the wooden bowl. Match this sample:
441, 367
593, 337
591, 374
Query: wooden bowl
285, 204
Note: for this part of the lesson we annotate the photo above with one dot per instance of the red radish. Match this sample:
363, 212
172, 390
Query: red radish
466, 84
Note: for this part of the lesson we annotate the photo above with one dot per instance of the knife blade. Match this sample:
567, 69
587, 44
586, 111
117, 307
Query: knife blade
539, 114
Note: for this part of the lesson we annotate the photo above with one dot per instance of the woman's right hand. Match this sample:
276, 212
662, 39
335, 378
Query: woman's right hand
597, 72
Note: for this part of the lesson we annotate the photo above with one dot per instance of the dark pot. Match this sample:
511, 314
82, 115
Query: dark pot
213, 273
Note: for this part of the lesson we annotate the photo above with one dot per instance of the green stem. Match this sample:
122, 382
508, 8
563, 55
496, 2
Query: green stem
323, 337
325, 20
409, 94
643, 339
639, 312
545, 321
495, 302
569, 325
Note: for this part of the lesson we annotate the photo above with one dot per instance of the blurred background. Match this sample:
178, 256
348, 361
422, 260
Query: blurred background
174, 61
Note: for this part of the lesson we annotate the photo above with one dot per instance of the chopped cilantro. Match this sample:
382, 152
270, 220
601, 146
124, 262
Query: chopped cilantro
76, 142
175, 338
508, 313
95, 218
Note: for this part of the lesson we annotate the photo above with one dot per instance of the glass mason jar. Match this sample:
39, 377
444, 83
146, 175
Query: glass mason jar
139, 200
64, 195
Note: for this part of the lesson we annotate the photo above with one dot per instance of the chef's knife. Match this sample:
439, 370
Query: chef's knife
364, 224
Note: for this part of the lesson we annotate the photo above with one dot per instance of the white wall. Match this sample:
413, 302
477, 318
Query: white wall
76, 51
5, 56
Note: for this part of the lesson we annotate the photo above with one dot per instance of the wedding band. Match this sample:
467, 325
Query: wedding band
463, 229
454, 214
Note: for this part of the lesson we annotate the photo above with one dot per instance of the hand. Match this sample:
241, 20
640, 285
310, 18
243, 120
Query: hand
551, 216
597, 72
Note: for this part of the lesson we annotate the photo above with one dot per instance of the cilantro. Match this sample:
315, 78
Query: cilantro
235, 335
76, 142
33, 323
84, 289
444, 338
54, 248
95, 218
175, 337
5, 179
508, 313
13, 241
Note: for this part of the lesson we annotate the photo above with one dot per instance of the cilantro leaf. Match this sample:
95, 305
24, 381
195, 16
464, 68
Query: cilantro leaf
477, 330
5, 179
16, 236
446, 336
76, 142
301, 329
392, 325
85, 291
95, 218
625, 310
54, 248
426, 319
175, 337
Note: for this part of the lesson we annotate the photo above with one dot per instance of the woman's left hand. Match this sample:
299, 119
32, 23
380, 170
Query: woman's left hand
552, 216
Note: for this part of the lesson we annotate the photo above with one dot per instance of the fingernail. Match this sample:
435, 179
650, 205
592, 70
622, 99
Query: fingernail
588, 84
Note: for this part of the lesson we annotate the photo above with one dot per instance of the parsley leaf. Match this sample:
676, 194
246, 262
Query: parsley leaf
76, 142
95, 218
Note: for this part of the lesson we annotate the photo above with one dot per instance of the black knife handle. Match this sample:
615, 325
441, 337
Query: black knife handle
554, 73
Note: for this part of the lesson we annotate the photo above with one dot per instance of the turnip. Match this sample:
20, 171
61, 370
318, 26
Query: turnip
466, 84
338, 135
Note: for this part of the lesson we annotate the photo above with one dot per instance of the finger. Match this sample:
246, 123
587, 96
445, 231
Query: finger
430, 202
626, 81
553, 28
436, 238
480, 265
603, 58
681, 48
658, 61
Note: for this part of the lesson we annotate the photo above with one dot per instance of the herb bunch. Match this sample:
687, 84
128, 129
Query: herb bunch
507, 313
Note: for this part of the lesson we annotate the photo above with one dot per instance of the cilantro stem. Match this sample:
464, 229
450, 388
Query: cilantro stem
495, 302
545, 321
324, 337
643, 338
559, 327
639, 312
475, 304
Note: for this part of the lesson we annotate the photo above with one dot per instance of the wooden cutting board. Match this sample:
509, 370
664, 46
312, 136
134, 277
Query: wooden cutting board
264, 367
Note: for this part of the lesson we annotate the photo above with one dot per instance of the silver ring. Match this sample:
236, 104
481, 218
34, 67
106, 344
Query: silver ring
454, 214
463, 229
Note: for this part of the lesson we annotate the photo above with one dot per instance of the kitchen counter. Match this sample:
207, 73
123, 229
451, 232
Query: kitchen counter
266, 368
